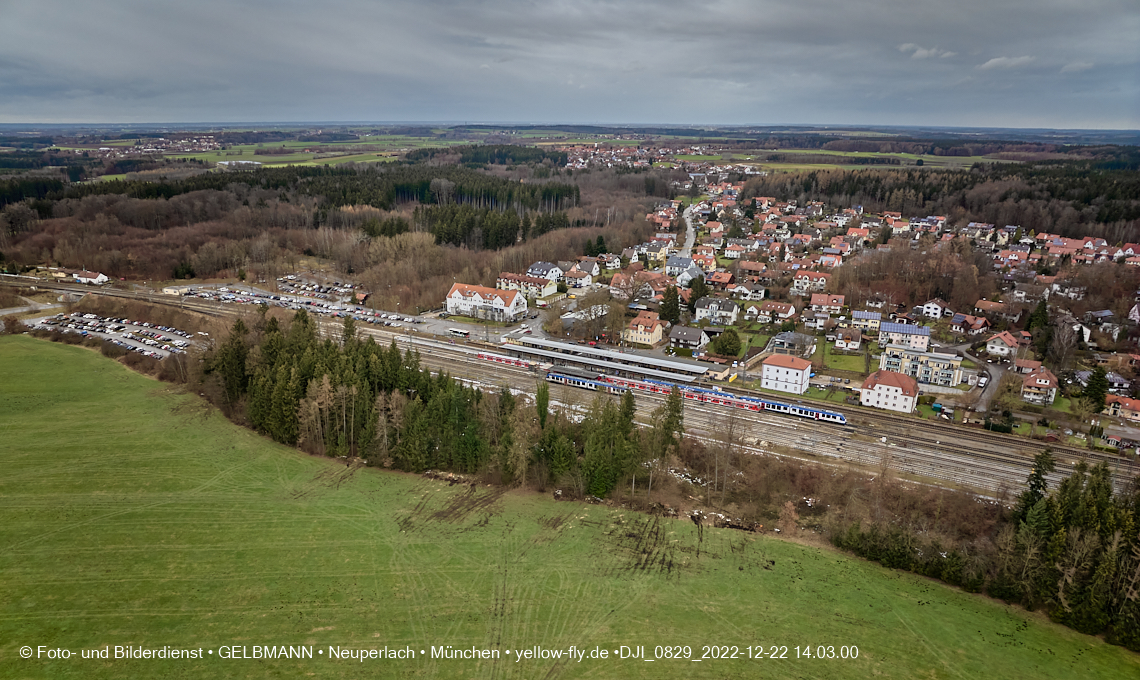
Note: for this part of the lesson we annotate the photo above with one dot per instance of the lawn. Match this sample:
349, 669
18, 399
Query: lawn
839, 362
132, 514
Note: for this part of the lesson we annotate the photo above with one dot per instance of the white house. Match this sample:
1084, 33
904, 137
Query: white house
718, 311
889, 390
913, 337
674, 265
91, 277
1039, 387
688, 338
785, 373
936, 309
545, 270
486, 303
806, 282
776, 311
1003, 344
578, 279
531, 286
848, 339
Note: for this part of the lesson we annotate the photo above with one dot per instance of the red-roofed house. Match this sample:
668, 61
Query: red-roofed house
531, 286
806, 282
481, 302
719, 280
889, 390
1003, 344
771, 310
822, 302
785, 373
1122, 407
1039, 387
645, 329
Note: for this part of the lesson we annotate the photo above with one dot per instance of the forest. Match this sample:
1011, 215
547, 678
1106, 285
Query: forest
1072, 551
489, 154
1071, 198
352, 397
406, 231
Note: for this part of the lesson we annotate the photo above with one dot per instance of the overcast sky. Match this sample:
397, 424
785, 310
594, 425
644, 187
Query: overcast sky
1000, 63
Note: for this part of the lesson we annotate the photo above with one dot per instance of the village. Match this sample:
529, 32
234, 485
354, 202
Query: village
764, 288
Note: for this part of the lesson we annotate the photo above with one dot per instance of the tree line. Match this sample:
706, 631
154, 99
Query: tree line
490, 154
1069, 198
381, 187
484, 228
1073, 552
350, 397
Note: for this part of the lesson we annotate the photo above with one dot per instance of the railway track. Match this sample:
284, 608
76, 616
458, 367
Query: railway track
954, 455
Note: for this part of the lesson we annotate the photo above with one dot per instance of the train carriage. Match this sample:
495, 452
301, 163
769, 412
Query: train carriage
508, 361
597, 381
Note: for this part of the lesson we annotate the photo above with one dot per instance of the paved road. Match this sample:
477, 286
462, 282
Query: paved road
30, 307
690, 233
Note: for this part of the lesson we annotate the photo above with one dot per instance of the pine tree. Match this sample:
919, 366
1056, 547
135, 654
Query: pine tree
542, 403
699, 289
1039, 318
230, 362
1097, 389
1043, 464
348, 335
671, 305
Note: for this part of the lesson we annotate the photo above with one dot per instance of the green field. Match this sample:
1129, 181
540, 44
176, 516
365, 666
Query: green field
131, 514
374, 148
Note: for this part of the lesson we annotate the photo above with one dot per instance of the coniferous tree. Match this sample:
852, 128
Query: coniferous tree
1097, 389
671, 305
230, 362
698, 289
542, 403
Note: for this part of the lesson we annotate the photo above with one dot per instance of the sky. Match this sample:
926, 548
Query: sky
1065, 64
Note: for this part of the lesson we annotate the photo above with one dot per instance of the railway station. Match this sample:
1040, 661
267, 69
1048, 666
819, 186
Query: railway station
608, 361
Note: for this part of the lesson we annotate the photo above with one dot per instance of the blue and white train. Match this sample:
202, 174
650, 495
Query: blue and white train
600, 382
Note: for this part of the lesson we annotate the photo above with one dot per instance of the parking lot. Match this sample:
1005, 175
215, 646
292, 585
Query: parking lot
314, 301
143, 337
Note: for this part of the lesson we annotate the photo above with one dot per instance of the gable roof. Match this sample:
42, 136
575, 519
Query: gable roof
484, 293
907, 384
1005, 337
787, 361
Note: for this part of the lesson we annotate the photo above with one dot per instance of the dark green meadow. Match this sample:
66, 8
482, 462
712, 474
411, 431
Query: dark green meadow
132, 514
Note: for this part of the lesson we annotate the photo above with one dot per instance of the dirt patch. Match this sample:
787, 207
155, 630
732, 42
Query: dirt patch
329, 478
474, 500
648, 543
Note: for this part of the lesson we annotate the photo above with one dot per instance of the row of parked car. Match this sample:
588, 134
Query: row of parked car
150, 337
319, 307
296, 286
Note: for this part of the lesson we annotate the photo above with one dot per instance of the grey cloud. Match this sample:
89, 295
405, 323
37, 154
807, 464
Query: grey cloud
636, 61
917, 52
1005, 62
1076, 67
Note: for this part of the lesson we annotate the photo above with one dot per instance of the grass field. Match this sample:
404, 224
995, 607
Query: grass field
839, 362
131, 514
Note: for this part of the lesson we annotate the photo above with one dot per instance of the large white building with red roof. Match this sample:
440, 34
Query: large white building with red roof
481, 302
785, 373
889, 390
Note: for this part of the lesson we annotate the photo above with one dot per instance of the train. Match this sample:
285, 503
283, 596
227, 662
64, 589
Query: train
508, 361
601, 382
